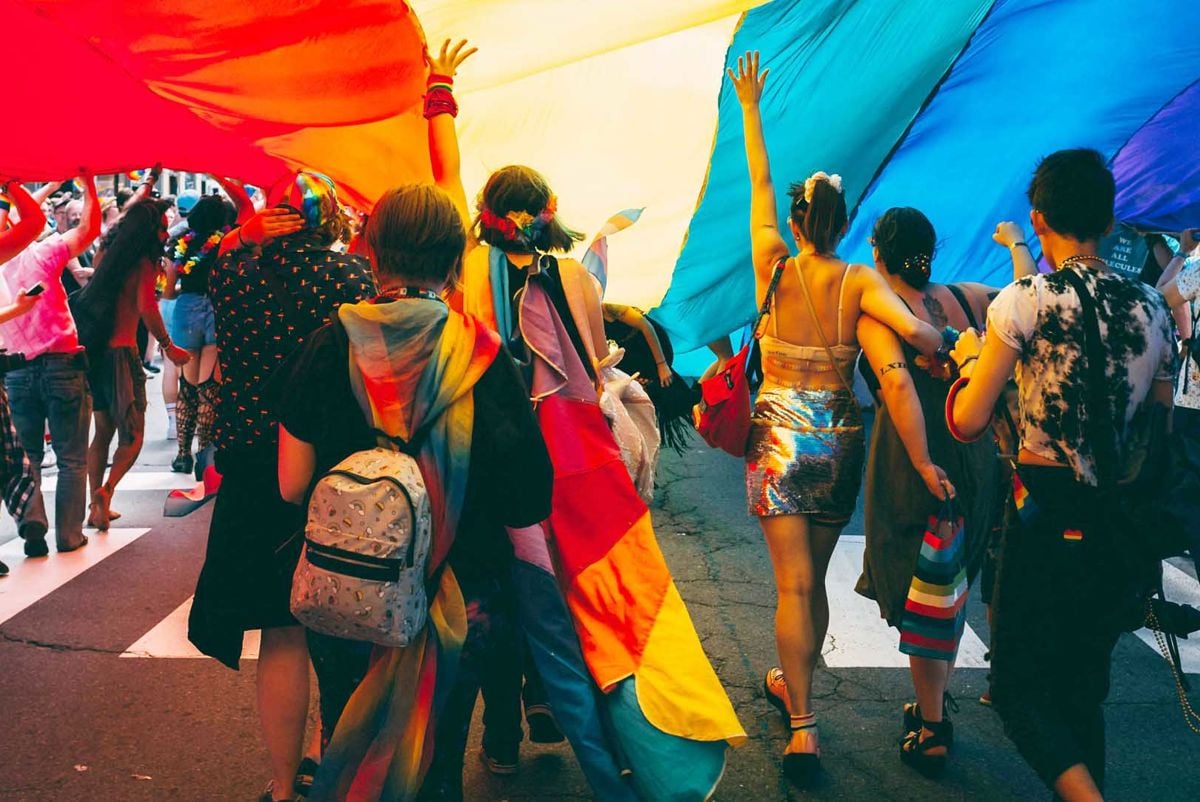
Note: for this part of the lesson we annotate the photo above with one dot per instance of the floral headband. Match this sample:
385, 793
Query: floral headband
810, 185
519, 226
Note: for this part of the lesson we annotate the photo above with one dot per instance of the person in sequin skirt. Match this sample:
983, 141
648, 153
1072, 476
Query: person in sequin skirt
806, 448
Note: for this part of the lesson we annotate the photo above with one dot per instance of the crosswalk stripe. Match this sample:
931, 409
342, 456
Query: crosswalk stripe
1179, 586
31, 580
858, 637
169, 639
138, 480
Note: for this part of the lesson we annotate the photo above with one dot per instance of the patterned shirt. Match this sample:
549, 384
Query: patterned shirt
255, 334
1187, 390
1040, 317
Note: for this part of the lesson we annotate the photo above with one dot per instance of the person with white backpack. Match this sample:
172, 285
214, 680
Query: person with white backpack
407, 431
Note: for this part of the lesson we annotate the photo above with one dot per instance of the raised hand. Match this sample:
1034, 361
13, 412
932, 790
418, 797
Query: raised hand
1008, 234
748, 81
270, 224
1187, 240
449, 59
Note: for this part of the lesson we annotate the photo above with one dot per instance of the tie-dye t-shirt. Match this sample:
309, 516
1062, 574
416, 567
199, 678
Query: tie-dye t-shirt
1040, 316
1187, 390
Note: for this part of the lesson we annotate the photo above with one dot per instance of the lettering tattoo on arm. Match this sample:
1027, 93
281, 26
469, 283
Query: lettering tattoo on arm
889, 367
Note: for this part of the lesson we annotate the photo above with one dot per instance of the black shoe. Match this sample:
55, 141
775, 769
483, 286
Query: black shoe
3, 568
914, 752
500, 759
802, 768
543, 729
183, 464
36, 546
305, 774
82, 542
151, 368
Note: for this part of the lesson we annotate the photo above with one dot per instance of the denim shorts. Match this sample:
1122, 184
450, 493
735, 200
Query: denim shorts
193, 324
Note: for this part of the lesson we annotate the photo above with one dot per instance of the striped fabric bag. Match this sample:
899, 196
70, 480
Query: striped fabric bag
935, 611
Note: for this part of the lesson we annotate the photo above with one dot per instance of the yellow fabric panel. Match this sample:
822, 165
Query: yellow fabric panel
677, 688
614, 102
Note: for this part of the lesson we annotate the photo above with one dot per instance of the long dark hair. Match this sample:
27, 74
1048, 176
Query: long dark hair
905, 240
210, 214
135, 238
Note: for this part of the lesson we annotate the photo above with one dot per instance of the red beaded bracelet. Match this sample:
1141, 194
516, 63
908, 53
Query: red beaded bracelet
440, 100
955, 432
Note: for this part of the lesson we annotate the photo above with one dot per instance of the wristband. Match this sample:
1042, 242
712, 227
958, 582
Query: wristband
1021, 244
436, 78
440, 100
950, 425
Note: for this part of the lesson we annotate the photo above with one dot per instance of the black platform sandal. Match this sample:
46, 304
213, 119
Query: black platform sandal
914, 751
305, 774
802, 768
912, 713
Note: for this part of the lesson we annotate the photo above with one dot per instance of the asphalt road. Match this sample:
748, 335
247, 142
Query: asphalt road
102, 700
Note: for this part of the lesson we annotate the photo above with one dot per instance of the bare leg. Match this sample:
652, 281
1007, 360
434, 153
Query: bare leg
127, 453
800, 555
930, 678
97, 461
282, 684
1076, 785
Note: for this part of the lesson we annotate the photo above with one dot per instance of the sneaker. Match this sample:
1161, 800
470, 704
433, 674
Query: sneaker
500, 759
48, 458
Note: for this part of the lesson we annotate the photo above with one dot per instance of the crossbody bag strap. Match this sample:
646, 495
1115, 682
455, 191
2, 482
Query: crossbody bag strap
1099, 413
812, 310
764, 311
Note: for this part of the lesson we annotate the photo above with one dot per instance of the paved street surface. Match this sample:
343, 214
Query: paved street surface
104, 699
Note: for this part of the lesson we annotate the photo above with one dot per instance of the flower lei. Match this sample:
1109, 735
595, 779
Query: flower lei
834, 181
184, 260
519, 226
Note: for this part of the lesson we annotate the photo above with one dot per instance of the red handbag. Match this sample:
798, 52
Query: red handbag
723, 415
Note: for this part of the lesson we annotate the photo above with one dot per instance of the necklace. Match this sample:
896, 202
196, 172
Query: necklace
397, 293
1081, 259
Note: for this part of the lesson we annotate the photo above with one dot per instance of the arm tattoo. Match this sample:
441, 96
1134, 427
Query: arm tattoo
889, 367
936, 313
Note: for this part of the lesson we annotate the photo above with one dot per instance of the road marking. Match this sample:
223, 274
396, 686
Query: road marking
858, 637
1179, 586
32, 579
169, 639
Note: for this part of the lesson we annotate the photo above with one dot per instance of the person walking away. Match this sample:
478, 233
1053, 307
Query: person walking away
805, 455
919, 581
266, 301
52, 389
405, 363
1064, 579
120, 297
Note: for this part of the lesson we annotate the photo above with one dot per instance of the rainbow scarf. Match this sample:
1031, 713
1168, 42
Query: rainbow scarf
411, 362
670, 714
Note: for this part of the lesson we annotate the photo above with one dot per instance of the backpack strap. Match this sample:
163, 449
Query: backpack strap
1101, 428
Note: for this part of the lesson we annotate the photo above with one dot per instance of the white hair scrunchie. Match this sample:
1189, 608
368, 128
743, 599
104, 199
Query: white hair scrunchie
834, 181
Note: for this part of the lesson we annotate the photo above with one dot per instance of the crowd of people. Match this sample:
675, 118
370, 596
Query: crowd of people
301, 336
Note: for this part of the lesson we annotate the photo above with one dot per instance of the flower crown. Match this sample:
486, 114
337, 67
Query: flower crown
810, 184
519, 226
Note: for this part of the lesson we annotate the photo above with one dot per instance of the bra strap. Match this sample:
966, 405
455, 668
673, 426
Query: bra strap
961, 297
812, 310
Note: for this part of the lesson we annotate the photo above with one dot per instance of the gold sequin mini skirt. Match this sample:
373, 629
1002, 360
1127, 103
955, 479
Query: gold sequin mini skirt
805, 454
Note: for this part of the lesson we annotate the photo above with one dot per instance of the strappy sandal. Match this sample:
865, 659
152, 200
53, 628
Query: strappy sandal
306, 772
775, 690
914, 751
802, 768
912, 713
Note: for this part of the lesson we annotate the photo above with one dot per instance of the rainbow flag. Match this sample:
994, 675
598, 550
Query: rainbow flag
596, 258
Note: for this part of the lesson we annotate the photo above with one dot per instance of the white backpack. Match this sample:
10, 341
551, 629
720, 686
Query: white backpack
361, 575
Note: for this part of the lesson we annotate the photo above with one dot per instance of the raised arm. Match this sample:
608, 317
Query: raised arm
261, 228
1011, 236
879, 301
147, 185
766, 241
241, 199
883, 351
635, 319
27, 229
83, 235
1168, 283
43, 192
440, 110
